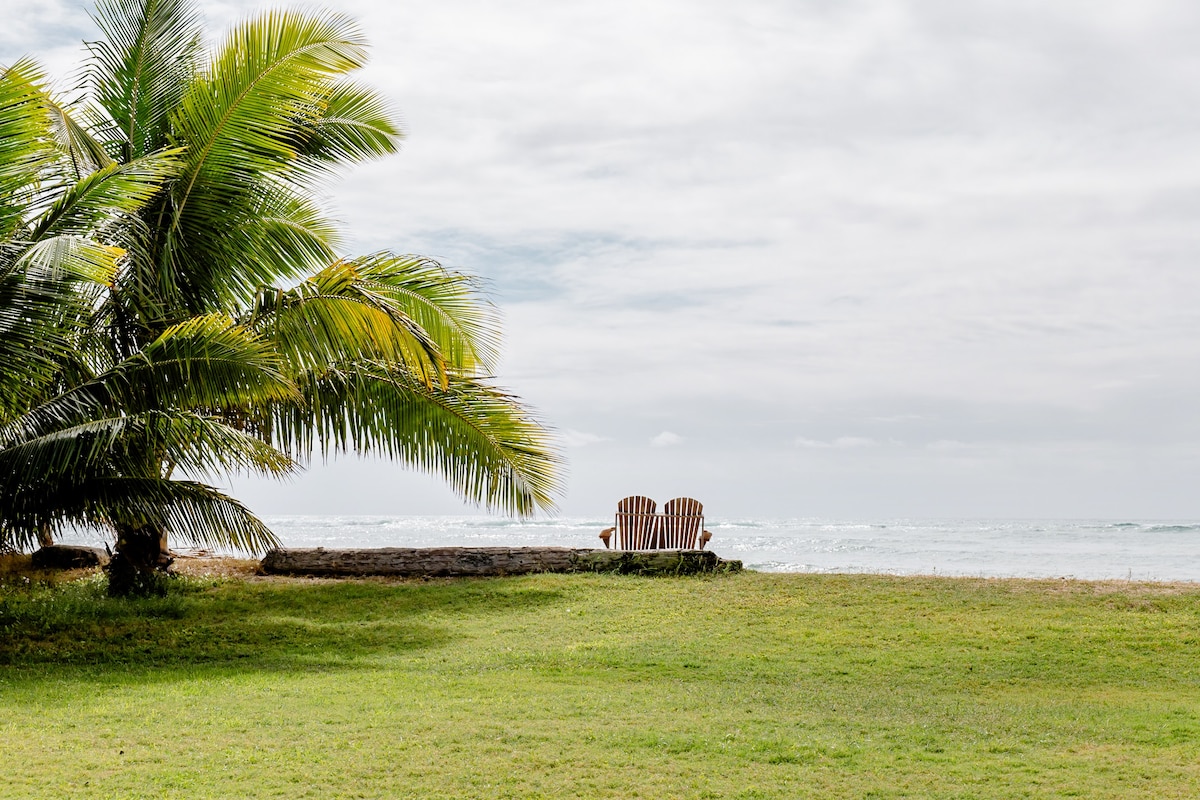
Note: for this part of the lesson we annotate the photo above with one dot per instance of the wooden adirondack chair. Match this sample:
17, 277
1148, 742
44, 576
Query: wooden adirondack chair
682, 524
636, 525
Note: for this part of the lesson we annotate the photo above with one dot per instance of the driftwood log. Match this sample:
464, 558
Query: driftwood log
69, 556
489, 561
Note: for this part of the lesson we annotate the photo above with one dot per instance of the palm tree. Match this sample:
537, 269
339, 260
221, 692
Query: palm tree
391, 353
75, 416
384, 353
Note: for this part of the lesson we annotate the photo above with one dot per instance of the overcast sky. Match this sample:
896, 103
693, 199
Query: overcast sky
801, 258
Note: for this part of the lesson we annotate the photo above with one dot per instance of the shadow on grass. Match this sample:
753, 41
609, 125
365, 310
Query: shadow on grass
75, 631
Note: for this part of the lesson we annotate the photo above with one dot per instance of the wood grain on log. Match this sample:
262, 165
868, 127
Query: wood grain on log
489, 561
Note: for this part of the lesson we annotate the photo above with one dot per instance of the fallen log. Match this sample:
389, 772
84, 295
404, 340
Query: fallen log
489, 561
69, 556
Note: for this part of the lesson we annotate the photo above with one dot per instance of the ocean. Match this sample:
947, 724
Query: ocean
1090, 549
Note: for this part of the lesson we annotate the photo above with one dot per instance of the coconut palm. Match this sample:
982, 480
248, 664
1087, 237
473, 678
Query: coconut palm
76, 417
385, 353
391, 353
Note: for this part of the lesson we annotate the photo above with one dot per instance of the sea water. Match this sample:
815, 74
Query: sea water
1090, 549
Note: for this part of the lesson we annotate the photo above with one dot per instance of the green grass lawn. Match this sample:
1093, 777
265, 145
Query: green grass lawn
748, 686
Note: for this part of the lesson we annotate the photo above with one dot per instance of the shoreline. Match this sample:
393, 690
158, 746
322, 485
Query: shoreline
1157, 550
224, 566
208, 565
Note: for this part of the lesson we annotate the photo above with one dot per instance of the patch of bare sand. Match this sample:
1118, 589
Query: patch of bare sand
18, 569
206, 566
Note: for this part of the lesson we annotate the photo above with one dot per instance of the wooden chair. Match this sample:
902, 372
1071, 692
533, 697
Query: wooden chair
682, 524
636, 525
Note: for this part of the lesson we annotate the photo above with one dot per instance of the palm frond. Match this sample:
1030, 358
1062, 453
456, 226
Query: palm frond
240, 123
446, 304
68, 257
45, 298
205, 362
188, 510
354, 123
143, 66
487, 446
107, 194
83, 152
333, 318
27, 150
206, 446
275, 234
243, 124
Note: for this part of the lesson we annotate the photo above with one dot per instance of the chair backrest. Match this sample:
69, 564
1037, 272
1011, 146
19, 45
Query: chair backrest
681, 524
637, 524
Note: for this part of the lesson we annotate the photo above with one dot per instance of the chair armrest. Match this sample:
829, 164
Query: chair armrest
704, 537
605, 535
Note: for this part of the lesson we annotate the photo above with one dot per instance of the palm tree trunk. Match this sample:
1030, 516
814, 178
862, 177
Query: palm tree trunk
45, 538
139, 566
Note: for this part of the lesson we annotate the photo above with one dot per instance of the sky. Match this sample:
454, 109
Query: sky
853, 259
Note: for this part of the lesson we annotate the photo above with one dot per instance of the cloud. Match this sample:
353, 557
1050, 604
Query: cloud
840, 443
666, 439
856, 242
949, 446
897, 418
574, 438
52, 33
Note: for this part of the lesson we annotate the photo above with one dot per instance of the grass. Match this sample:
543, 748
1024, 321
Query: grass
740, 686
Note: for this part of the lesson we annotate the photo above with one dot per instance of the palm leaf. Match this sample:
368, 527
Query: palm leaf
242, 125
488, 447
275, 233
118, 444
108, 193
444, 303
45, 297
27, 150
333, 317
352, 123
241, 122
83, 152
143, 66
206, 362
192, 511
